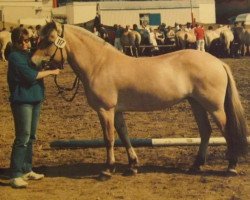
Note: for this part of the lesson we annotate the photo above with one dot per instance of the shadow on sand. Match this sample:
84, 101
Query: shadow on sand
92, 170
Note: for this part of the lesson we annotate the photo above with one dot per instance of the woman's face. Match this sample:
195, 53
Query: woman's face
25, 44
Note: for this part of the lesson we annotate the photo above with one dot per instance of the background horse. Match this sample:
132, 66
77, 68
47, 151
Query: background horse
185, 39
115, 83
227, 38
212, 35
244, 38
133, 40
5, 40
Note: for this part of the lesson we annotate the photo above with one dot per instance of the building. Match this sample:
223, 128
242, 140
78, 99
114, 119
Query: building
112, 12
131, 12
30, 12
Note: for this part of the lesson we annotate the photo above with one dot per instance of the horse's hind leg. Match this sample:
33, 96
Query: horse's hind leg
205, 130
220, 118
121, 129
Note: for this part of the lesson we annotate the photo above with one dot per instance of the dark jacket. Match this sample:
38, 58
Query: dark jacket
23, 85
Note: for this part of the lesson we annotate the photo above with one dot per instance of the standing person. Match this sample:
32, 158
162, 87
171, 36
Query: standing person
160, 36
163, 29
200, 37
97, 20
170, 36
118, 34
152, 37
103, 33
177, 27
26, 95
96, 32
135, 28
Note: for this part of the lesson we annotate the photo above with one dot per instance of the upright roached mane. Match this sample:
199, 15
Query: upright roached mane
115, 83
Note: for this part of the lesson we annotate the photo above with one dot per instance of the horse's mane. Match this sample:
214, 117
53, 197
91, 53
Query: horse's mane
46, 30
87, 33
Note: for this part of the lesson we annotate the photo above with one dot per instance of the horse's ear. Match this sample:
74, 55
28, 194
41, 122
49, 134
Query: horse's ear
46, 21
58, 26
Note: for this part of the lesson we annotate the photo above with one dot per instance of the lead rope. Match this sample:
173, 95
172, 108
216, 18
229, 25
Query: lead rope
76, 84
62, 90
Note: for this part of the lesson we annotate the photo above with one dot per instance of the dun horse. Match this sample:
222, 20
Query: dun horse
115, 83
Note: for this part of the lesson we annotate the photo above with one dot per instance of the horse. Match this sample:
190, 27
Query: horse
185, 38
115, 83
132, 39
244, 38
227, 38
5, 40
246, 42
211, 35
213, 41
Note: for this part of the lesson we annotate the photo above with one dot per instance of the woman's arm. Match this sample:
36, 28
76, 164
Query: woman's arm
43, 74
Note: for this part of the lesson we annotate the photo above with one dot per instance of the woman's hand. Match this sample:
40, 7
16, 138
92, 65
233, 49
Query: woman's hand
43, 74
55, 71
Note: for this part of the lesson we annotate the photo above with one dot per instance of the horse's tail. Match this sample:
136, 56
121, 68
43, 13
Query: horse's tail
236, 127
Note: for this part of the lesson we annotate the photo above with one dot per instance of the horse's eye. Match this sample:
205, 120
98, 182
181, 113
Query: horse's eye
52, 38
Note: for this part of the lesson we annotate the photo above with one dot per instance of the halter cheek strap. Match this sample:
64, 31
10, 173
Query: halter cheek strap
60, 44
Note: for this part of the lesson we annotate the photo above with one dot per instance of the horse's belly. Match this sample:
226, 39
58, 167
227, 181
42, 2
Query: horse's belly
131, 101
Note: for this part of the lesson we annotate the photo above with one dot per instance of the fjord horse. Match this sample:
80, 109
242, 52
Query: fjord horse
115, 83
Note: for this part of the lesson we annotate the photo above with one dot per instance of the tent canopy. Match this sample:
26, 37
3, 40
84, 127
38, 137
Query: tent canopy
243, 18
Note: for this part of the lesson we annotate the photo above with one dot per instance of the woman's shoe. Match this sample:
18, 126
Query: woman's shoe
18, 183
32, 176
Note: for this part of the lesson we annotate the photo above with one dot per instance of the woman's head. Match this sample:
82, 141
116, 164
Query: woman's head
20, 39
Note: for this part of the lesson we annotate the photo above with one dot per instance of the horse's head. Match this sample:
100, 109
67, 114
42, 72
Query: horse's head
50, 53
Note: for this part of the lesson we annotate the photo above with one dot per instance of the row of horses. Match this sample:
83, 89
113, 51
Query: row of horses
222, 41
224, 37
219, 42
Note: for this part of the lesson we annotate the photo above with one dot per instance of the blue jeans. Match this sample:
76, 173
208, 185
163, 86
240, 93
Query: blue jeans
26, 118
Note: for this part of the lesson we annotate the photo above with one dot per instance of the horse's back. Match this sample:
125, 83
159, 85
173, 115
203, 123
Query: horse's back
161, 81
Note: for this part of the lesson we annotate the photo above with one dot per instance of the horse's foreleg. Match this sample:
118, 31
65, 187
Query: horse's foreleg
131, 51
3, 57
136, 52
107, 122
121, 129
205, 130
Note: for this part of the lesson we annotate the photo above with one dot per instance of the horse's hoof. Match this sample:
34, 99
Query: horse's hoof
104, 176
130, 172
232, 172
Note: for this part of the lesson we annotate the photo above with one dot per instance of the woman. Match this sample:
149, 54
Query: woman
26, 95
152, 39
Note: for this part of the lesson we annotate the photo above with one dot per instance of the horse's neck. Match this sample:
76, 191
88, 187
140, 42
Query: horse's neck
85, 51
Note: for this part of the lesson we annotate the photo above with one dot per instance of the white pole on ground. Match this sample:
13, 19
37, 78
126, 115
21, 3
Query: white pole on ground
138, 142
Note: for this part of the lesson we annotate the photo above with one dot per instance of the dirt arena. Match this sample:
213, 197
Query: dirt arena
71, 174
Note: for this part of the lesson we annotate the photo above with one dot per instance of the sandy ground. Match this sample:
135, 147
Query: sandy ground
71, 174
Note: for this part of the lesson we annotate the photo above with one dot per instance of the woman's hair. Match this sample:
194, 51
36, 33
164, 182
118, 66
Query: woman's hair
17, 35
